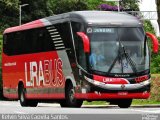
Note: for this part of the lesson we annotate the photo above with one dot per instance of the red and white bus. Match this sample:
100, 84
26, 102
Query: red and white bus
77, 56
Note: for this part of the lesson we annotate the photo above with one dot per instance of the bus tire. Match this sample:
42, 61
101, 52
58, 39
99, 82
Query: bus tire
32, 103
70, 101
125, 103
22, 97
23, 100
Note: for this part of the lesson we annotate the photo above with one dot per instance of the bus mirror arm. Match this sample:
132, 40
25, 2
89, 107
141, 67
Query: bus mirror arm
85, 40
154, 41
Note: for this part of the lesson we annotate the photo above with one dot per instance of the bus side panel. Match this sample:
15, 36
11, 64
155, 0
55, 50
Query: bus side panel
42, 74
11, 74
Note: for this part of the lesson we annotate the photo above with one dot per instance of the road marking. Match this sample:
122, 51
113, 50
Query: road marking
48, 105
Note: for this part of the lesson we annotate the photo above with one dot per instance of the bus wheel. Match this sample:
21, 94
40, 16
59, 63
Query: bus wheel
23, 101
70, 100
32, 103
22, 96
125, 103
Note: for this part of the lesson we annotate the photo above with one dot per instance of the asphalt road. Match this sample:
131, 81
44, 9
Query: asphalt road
86, 112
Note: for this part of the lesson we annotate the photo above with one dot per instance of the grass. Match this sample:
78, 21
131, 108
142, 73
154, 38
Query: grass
95, 103
145, 102
134, 102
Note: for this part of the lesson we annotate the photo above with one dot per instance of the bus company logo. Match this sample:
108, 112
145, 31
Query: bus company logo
122, 86
106, 80
89, 30
44, 73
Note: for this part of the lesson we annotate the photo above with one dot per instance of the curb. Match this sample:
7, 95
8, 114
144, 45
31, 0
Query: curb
109, 106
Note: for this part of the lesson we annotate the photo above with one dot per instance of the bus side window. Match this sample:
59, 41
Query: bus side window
65, 35
9, 44
5, 41
81, 57
40, 46
17, 43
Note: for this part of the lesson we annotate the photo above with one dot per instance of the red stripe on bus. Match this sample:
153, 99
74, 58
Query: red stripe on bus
11, 96
46, 96
95, 96
38, 96
30, 25
109, 80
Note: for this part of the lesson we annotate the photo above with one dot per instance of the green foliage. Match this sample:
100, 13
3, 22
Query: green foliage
8, 14
148, 27
155, 58
130, 4
155, 63
155, 88
12, 4
62, 6
93, 4
95, 103
41, 8
36, 9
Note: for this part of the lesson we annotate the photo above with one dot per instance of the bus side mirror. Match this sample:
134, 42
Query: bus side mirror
85, 40
154, 41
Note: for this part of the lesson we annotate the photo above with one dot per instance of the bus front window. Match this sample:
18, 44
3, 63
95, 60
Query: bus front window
118, 50
104, 48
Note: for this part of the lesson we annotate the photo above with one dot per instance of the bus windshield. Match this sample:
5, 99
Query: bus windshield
118, 50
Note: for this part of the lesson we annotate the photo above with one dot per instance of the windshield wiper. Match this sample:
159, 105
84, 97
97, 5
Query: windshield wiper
115, 60
121, 52
128, 58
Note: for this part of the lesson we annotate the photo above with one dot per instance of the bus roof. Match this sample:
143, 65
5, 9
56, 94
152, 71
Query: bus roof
99, 17
88, 17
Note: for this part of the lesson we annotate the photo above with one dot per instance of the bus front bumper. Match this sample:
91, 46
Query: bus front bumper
100, 90
119, 95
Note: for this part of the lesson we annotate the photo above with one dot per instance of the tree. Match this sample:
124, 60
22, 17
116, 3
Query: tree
124, 5
62, 6
8, 14
93, 4
130, 4
35, 10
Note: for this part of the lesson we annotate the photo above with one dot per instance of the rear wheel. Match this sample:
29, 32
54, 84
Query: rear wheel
70, 100
125, 103
32, 103
22, 97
